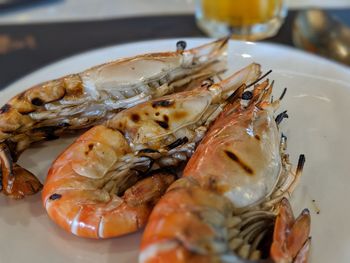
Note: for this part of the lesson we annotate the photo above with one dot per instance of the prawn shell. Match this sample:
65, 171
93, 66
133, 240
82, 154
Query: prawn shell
97, 151
152, 121
244, 156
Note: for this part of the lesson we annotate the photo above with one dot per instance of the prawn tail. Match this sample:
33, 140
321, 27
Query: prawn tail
15, 181
291, 241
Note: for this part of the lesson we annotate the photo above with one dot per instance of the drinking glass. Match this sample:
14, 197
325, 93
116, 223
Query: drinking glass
242, 19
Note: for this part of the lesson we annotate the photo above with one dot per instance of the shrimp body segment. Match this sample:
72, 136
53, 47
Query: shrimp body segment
77, 101
231, 193
88, 185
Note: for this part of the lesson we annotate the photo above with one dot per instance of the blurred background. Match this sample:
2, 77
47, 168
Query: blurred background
27, 11
38, 32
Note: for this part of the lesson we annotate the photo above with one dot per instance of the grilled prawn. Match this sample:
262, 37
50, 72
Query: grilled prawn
82, 100
88, 187
231, 191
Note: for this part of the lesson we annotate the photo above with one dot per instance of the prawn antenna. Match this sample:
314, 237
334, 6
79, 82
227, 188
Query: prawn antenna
283, 93
262, 77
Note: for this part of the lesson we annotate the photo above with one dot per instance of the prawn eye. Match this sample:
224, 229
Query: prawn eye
181, 45
37, 102
247, 95
55, 196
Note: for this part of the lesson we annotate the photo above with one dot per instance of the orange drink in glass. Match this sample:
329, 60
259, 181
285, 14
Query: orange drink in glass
243, 19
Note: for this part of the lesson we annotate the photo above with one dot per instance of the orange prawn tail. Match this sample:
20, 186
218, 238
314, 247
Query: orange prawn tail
291, 241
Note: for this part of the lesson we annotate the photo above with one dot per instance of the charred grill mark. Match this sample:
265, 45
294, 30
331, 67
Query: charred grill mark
257, 137
55, 196
90, 147
235, 158
163, 124
37, 102
166, 118
162, 103
135, 117
281, 116
177, 143
5, 108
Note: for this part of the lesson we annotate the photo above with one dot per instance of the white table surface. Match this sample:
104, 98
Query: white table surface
70, 10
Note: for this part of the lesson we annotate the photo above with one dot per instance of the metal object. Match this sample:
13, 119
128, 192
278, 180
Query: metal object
320, 32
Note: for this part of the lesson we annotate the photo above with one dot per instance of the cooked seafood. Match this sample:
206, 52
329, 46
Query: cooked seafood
85, 189
82, 100
226, 203
291, 240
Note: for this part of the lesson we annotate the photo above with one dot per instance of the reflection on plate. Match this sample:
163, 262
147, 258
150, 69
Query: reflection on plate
318, 104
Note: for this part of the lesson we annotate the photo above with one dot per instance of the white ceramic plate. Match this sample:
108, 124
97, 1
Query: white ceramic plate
318, 103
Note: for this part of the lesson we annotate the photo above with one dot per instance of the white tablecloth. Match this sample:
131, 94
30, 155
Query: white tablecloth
68, 10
